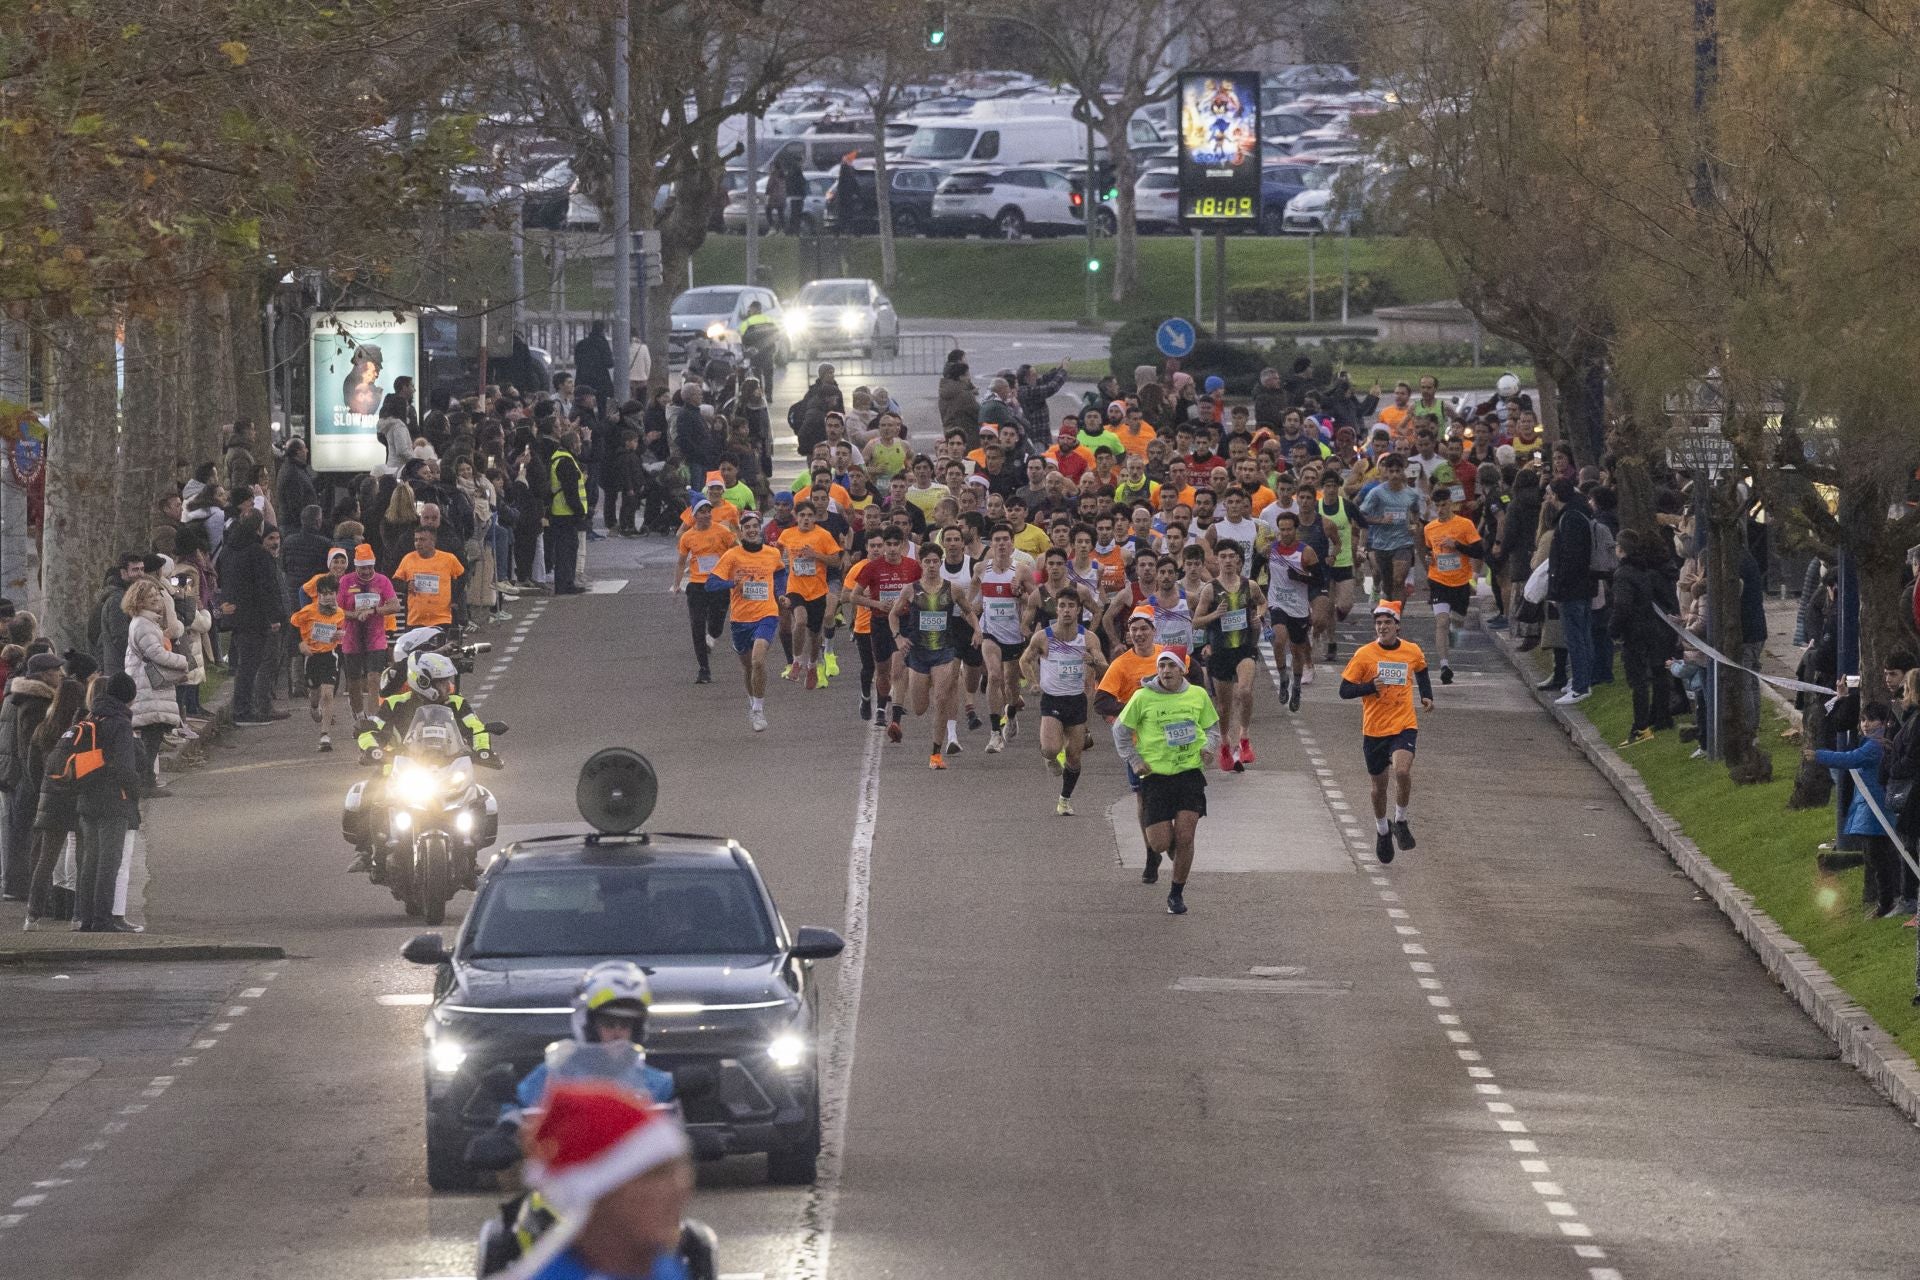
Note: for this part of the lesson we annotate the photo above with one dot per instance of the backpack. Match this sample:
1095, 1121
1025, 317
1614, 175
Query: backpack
1602, 558
77, 754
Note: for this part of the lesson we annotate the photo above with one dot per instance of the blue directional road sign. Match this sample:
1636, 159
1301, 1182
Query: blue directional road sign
1175, 337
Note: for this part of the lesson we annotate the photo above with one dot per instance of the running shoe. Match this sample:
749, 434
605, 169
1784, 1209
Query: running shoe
1446, 674
832, 664
788, 673
1293, 699
1060, 757
813, 678
880, 713
759, 719
326, 742
1055, 765
1246, 751
866, 708
1402, 833
1227, 760
935, 762
893, 731
1152, 874
1176, 903
973, 720
1307, 676
705, 677
1012, 722
1383, 847
953, 747
1063, 807
995, 743
1571, 696
1333, 647
313, 709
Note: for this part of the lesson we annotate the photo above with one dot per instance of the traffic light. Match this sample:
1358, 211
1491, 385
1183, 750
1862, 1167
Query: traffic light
1093, 265
936, 25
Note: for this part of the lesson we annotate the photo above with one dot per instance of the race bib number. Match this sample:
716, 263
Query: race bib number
366, 599
756, 591
805, 567
1174, 633
426, 584
1447, 561
706, 563
933, 621
1182, 733
1072, 672
1390, 673
889, 594
1233, 620
1001, 608
323, 633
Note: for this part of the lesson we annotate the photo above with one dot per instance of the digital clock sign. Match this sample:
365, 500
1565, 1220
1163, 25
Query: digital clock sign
1220, 148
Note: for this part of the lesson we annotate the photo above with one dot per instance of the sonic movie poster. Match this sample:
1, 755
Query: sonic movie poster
1220, 148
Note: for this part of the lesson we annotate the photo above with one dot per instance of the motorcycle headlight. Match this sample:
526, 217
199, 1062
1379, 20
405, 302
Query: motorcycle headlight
795, 324
852, 320
787, 1052
459, 776
463, 823
716, 331
412, 785
445, 1056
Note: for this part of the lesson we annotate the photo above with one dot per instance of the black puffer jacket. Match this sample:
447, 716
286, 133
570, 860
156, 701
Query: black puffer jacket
1642, 592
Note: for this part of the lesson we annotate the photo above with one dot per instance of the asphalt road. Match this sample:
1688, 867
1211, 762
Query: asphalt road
1525, 1050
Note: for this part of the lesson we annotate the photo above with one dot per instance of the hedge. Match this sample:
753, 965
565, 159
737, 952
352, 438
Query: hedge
1289, 301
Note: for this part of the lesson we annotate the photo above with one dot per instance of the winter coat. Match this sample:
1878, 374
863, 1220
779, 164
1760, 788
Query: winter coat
238, 465
1642, 592
695, 441
25, 707
1570, 564
250, 582
1866, 758
960, 407
1270, 406
297, 490
114, 788
149, 654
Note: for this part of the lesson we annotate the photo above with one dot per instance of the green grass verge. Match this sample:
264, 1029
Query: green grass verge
1750, 834
1046, 279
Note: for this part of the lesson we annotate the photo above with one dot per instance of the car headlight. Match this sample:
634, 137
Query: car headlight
412, 786
851, 320
795, 324
786, 1052
445, 1056
716, 331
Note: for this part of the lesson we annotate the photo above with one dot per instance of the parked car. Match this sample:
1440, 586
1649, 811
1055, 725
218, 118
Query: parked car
910, 188
1007, 203
1156, 201
841, 315
714, 312
1331, 201
813, 207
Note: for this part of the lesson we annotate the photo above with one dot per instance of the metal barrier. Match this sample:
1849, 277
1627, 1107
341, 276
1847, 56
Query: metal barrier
556, 333
913, 354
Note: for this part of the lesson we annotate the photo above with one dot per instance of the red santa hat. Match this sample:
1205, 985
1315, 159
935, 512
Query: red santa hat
591, 1137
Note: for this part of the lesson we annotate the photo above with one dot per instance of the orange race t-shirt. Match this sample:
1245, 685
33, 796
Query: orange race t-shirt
724, 512
807, 556
1392, 671
1113, 568
320, 632
429, 582
1128, 671
751, 573
1136, 439
1450, 568
862, 616
703, 549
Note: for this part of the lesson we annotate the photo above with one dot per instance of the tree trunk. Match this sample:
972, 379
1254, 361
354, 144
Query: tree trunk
1126, 238
1812, 783
883, 199
1634, 445
1579, 384
251, 369
1738, 730
156, 411
81, 462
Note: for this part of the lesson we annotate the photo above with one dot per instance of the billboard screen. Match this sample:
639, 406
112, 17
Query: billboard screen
356, 355
1220, 148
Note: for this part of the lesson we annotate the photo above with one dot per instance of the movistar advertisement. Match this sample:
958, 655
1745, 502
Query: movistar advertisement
356, 355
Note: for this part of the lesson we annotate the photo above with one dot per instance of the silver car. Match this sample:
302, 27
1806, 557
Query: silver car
850, 315
714, 312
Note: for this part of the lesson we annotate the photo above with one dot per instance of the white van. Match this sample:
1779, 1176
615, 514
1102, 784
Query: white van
950, 141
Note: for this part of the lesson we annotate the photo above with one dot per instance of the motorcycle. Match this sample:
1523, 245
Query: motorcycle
524, 1218
429, 818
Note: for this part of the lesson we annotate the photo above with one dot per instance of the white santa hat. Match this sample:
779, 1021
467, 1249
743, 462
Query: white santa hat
591, 1137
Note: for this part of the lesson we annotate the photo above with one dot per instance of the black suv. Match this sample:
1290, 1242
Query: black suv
911, 190
734, 999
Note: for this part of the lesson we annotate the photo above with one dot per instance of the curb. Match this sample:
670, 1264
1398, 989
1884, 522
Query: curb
144, 952
1861, 1040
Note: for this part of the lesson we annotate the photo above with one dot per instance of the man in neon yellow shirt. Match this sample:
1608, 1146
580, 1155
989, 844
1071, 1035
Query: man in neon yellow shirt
1166, 733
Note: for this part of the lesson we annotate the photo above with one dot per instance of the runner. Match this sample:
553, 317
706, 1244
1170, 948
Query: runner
1392, 511
1166, 733
701, 547
371, 606
1001, 587
922, 618
1338, 520
1452, 542
1227, 613
320, 625
956, 568
1173, 613
811, 554
862, 637
1130, 668
1290, 576
878, 587
1064, 659
755, 574
1383, 675
1236, 528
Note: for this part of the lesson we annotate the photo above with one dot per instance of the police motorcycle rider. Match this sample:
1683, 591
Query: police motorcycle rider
609, 1020
760, 340
431, 680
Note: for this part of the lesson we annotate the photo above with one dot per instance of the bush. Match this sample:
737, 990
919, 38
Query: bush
1289, 301
1446, 355
1132, 345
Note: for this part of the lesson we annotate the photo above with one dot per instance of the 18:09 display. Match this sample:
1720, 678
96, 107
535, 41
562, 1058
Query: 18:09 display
1220, 207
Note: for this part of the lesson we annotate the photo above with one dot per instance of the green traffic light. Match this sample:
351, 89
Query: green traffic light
1093, 264
936, 38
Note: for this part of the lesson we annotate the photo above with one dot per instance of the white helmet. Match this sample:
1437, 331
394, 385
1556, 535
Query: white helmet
1508, 386
608, 984
425, 669
414, 639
